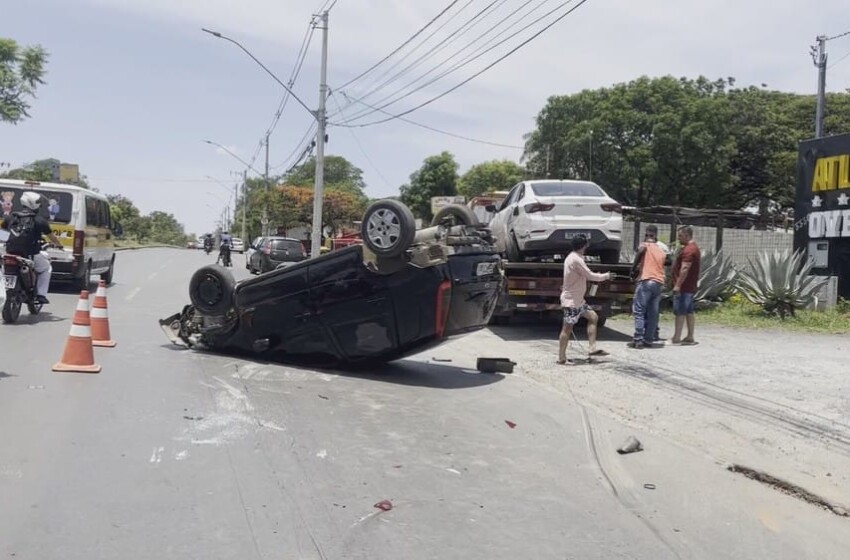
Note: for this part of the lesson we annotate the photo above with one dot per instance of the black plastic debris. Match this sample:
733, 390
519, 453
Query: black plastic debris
493, 365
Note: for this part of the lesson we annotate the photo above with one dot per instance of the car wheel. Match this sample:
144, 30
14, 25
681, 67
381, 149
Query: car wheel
388, 228
609, 256
512, 248
455, 215
211, 290
109, 274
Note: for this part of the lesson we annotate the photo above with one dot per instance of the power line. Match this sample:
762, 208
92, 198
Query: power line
839, 60
397, 49
359, 145
453, 36
475, 75
838, 36
467, 59
431, 128
310, 131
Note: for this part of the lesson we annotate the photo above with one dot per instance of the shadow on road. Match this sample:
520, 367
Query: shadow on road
30, 320
3, 375
402, 372
519, 332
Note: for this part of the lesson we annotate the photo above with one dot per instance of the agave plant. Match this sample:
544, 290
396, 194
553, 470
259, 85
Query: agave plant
780, 282
717, 278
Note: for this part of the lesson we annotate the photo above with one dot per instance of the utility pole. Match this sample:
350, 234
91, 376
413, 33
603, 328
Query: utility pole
244, 201
265, 219
819, 58
590, 157
316, 236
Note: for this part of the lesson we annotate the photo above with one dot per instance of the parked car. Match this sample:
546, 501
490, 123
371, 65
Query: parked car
276, 252
253, 247
238, 245
192, 245
540, 217
398, 294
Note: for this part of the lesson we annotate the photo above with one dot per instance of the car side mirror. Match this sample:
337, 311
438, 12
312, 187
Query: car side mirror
490, 208
516, 210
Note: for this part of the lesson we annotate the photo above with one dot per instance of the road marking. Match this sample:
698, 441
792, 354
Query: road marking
182, 455
152, 275
322, 454
132, 294
156, 456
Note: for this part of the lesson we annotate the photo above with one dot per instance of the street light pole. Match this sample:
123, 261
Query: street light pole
265, 220
321, 118
819, 57
244, 201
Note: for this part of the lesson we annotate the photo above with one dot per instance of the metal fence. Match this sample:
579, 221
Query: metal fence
739, 245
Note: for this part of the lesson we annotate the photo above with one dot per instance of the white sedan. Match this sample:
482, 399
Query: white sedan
541, 217
238, 245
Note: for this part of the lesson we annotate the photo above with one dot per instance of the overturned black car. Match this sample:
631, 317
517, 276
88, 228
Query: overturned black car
399, 293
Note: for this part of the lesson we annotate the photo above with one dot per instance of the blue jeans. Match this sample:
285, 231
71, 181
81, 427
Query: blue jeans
645, 308
683, 304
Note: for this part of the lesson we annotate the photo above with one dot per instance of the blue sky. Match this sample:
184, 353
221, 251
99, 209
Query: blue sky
134, 86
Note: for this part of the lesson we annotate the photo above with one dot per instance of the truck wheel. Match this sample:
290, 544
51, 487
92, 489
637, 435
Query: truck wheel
109, 274
388, 228
455, 215
211, 290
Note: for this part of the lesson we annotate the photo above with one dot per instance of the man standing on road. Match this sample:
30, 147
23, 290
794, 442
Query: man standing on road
685, 278
648, 268
576, 275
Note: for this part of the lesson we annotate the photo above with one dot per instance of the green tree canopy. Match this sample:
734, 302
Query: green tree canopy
21, 72
490, 176
679, 141
339, 173
437, 177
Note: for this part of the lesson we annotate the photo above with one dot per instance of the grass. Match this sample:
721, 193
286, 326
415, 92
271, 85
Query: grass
744, 314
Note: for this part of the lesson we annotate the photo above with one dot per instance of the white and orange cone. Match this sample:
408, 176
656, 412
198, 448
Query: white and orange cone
100, 319
79, 353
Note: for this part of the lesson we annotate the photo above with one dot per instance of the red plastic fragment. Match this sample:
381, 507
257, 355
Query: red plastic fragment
510, 424
384, 505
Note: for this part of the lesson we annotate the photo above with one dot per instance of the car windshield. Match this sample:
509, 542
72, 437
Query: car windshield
567, 188
286, 245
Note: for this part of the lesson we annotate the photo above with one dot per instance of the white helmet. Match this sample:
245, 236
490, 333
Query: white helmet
31, 200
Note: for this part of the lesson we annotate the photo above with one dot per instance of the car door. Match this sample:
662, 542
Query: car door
278, 314
499, 223
353, 305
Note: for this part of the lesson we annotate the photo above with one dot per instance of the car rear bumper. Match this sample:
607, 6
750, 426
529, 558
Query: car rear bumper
560, 240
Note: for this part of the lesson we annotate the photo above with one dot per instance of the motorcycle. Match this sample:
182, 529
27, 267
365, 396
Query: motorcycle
20, 284
208, 247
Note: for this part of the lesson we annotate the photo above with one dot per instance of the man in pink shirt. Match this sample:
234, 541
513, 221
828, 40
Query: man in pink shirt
576, 275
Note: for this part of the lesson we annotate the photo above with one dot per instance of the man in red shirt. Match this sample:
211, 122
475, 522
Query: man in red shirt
685, 277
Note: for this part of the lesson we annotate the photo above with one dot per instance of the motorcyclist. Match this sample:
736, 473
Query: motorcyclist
208, 242
26, 228
225, 245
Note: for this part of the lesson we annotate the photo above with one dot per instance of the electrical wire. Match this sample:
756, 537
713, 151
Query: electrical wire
445, 41
839, 36
839, 60
362, 150
476, 74
397, 49
468, 58
434, 129
311, 130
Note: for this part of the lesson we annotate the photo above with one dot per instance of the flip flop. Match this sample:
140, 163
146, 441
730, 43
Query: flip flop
688, 343
599, 352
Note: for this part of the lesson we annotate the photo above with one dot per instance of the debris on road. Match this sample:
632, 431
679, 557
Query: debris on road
196, 418
649, 486
493, 365
510, 424
384, 505
441, 359
323, 397
631, 445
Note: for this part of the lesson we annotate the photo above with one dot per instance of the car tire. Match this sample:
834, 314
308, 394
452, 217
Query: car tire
388, 228
609, 256
457, 214
512, 248
108, 276
211, 290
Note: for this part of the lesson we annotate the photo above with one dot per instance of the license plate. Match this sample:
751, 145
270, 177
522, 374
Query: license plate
572, 234
485, 269
11, 282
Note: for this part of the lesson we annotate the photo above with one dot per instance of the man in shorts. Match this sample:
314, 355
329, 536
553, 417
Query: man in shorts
576, 275
685, 278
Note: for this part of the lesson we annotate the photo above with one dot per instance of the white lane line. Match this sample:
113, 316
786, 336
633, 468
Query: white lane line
152, 275
132, 294
156, 456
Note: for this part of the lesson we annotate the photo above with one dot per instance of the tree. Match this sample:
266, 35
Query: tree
42, 170
490, 176
21, 72
437, 177
164, 228
124, 212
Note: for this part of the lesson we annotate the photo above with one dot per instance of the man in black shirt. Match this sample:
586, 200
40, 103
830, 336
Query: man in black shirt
26, 229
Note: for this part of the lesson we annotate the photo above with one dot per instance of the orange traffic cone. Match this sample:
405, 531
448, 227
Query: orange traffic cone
100, 319
79, 354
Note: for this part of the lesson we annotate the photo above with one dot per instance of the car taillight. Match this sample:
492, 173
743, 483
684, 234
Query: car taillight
612, 207
444, 296
537, 207
79, 242
9, 260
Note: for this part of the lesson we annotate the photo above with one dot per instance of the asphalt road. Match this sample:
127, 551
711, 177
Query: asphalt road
173, 453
